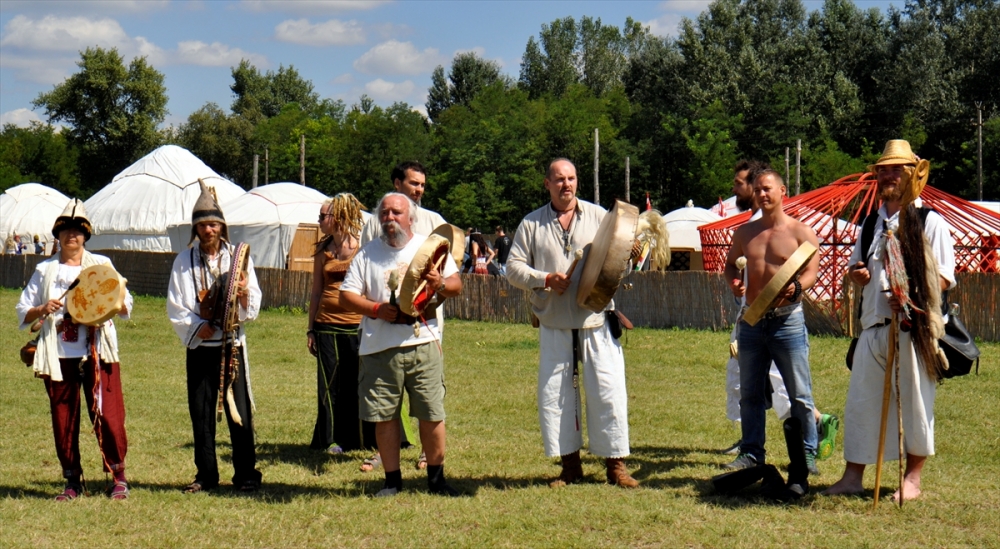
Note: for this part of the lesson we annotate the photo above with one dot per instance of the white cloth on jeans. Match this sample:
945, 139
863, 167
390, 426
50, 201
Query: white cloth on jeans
864, 401
779, 398
602, 375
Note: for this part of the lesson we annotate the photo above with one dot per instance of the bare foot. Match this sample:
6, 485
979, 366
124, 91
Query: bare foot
910, 491
844, 486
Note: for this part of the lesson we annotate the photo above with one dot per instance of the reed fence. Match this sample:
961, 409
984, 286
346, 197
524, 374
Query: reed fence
685, 299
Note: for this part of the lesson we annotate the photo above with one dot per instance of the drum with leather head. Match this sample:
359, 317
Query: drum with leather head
98, 297
237, 271
456, 237
416, 299
608, 258
794, 265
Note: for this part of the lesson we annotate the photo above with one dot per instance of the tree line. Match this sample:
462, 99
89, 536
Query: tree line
743, 79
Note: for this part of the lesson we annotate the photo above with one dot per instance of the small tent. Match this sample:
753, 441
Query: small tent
267, 218
30, 209
685, 240
158, 190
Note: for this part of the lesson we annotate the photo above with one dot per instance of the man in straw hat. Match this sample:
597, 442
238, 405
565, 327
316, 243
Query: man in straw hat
544, 248
70, 355
194, 272
397, 354
900, 179
780, 336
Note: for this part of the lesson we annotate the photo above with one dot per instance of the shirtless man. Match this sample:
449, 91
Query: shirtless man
780, 335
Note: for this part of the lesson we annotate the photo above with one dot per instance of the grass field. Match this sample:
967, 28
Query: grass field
677, 417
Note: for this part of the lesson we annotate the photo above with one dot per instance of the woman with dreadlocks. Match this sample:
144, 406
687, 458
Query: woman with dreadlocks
333, 331
909, 263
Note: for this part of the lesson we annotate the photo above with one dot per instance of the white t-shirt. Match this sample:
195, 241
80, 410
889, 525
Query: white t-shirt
368, 276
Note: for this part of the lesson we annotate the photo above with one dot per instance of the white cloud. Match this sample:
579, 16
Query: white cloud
39, 70
311, 7
21, 118
346, 78
331, 33
72, 34
380, 90
394, 57
216, 54
388, 31
88, 7
665, 25
673, 12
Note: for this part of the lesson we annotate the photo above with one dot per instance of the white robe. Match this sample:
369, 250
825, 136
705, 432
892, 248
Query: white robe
182, 301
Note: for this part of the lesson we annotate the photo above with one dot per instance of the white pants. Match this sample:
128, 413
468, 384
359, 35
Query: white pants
603, 378
863, 410
779, 398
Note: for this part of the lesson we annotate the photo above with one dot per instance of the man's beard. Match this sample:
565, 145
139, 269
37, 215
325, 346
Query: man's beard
398, 238
892, 195
744, 203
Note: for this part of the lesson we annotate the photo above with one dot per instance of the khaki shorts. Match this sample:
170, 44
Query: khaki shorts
383, 376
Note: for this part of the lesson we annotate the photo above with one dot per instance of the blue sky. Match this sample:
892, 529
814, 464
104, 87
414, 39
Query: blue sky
386, 49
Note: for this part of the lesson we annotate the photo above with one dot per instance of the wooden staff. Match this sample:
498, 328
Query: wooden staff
37, 325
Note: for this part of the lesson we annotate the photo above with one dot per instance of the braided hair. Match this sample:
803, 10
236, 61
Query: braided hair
346, 212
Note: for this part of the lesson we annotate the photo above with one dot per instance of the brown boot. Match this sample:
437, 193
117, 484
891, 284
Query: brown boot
572, 471
618, 474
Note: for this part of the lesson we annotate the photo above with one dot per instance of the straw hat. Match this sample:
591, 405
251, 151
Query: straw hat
897, 151
73, 216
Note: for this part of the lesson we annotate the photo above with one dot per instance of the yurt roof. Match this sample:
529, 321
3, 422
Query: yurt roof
277, 203
156, 191
30, 209
683, 223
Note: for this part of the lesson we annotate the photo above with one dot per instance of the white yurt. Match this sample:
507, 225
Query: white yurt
682, 225
157, 191
30, 209
268, 217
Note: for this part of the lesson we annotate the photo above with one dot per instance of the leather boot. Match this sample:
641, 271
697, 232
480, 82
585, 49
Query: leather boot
572, 470
618, 474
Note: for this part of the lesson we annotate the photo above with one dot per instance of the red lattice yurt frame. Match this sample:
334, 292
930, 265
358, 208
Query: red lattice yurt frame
836, 211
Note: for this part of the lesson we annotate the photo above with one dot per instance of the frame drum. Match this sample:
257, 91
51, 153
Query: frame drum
99, 296
604, 267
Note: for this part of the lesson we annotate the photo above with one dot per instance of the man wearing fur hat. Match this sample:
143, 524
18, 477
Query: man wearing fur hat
921, 235
65, 357
194, 272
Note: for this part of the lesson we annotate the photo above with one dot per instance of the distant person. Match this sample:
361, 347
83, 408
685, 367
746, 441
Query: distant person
18, 246
482, 254
502, 246
195, 270
39, 246
64, 358
55, 247
9, 245
396, 357
467, 260
332, 336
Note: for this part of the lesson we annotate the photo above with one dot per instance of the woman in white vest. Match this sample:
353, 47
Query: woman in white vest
71, 355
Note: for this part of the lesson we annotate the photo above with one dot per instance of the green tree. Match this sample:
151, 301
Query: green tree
260, 96
222, 141
38, 154
112, 112
468, 76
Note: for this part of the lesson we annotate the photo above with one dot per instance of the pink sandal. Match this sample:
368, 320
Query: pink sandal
70, 492
120, 490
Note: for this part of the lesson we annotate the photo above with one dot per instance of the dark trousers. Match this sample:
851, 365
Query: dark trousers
64, 401
337, 390
203, 374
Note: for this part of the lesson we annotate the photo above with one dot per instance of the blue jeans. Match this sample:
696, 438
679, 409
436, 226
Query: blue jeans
784, 340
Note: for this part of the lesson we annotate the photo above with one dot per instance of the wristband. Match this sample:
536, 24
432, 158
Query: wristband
798, 291
310, 332
375, 310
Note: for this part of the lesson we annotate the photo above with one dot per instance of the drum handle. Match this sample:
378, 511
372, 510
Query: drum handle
37, 325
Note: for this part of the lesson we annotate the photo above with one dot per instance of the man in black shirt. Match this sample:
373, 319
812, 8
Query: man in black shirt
502, 246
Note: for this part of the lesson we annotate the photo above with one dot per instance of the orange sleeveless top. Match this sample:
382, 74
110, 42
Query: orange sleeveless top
330, 311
